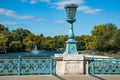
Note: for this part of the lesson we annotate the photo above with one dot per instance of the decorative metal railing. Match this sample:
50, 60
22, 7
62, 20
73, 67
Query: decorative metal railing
104, 66
27, 65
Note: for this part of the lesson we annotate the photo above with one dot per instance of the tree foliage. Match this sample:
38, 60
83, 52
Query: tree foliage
104, 37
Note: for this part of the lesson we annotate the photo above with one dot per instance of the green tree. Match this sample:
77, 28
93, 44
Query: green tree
60, 41
29, 42
15, 46
3, 41
80, 42
2, 28
20, 33
115, 41
103, 35
4, 32
96, 40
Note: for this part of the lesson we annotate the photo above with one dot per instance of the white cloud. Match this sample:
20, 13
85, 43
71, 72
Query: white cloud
35, 1
8, 23
59, 21
25, 17
40, 19
7, 12
82, 7
88, 10
93, 11
12, 13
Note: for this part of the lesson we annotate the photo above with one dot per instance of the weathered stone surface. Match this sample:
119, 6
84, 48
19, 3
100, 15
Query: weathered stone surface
69, 64
73, 57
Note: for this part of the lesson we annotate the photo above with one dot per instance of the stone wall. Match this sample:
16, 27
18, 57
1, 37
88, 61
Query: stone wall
69, 64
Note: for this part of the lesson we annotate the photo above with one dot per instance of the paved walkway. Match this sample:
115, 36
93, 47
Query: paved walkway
65, 77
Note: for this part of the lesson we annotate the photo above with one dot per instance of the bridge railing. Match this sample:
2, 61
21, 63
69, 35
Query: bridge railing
104, 66
27, 65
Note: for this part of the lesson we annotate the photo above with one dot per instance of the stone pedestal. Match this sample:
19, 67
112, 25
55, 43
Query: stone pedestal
69, 64
71, 47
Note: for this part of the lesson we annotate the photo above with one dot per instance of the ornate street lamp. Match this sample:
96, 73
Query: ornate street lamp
71, 12
71, 43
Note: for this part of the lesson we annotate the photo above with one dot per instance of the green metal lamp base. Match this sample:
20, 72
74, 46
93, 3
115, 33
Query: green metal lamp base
71, 47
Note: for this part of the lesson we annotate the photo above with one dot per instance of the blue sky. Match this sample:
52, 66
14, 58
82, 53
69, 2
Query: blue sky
48, 17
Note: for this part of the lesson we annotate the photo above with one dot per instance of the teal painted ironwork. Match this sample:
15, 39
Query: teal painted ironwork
19, 65
71, 43
27, 65
92, 66
104, 66
9, 66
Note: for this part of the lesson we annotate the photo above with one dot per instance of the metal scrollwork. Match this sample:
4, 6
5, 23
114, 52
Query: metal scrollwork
8, 66
26, 65
104, 66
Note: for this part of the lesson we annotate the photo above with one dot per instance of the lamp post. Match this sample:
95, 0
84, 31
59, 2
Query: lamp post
71, 43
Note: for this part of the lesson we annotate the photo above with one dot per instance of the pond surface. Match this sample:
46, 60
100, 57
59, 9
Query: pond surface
31, 54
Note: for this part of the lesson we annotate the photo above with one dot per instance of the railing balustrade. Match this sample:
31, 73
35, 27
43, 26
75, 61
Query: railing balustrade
104, 66
27, 65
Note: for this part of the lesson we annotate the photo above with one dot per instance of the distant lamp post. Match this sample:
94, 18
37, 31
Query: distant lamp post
71, 43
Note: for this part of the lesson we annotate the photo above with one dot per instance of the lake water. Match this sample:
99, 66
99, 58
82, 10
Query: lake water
31, 54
